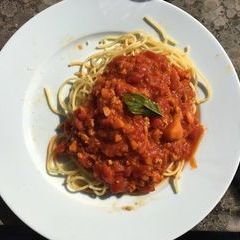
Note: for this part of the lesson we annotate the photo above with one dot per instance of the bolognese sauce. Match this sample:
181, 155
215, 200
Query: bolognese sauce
129, 152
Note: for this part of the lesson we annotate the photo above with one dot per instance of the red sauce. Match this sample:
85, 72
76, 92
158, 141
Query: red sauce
130, 152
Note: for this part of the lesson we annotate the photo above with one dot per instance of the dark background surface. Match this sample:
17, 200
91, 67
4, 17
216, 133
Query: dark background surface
222, 18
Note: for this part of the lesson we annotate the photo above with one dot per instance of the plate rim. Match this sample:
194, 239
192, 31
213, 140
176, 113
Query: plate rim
162, 2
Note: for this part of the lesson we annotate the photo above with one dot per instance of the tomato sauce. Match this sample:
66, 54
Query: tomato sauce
128, 152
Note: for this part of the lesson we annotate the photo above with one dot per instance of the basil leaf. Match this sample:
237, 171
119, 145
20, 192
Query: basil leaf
153, 106
140, 105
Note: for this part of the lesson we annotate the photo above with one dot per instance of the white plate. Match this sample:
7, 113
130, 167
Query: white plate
37, 56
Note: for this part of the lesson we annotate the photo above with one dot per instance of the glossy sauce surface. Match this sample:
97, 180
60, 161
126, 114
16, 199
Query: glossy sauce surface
131, 152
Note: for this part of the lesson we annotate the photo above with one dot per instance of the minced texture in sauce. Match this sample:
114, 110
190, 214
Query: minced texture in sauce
128, 152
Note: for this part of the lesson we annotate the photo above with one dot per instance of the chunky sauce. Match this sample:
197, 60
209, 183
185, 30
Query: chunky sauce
128, 152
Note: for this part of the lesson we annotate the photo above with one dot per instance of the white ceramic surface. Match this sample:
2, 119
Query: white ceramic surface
37, 56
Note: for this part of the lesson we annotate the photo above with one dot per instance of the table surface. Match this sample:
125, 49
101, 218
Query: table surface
221, 17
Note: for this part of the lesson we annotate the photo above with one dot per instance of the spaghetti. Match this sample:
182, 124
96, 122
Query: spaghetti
81, 86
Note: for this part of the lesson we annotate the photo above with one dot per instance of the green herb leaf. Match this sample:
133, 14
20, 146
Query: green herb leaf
140, 105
